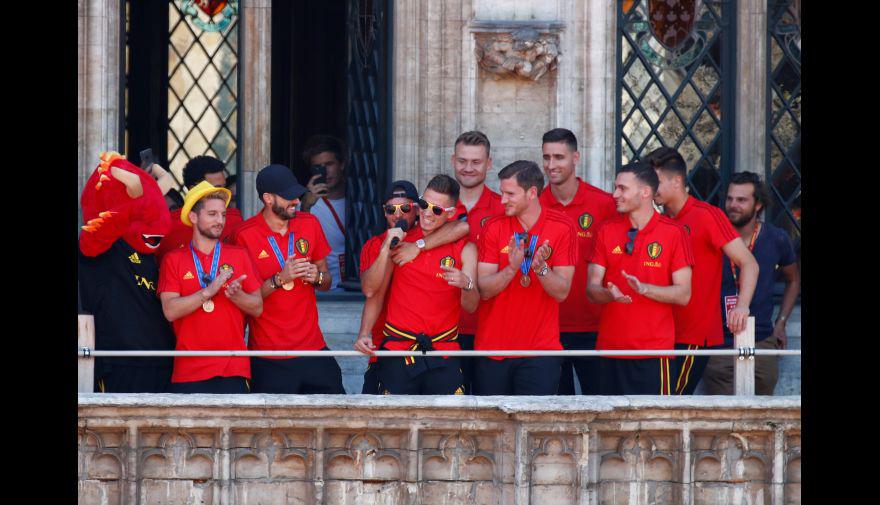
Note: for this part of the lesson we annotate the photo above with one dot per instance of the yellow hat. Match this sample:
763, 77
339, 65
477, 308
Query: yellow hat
198, 192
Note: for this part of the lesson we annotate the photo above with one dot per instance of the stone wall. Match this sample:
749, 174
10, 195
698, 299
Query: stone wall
437, 450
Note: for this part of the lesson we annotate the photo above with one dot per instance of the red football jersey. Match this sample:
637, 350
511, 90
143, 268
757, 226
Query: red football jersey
699, 322
221, 329
290, 318
661, 248
488, 205
180, 235
589, 208
524, 317
369, 253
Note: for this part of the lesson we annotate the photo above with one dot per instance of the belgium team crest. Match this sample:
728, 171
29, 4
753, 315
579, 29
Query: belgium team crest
227, 266
585, 221
654, 250
447, 261
302, 246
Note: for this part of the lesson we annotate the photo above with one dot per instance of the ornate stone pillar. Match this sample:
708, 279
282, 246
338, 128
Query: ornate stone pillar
750, 144
97, 83
255, 97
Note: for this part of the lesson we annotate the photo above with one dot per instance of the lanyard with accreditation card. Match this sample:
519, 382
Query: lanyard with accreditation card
731, 301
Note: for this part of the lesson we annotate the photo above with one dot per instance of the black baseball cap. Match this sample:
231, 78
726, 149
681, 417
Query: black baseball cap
279, 180
401, 186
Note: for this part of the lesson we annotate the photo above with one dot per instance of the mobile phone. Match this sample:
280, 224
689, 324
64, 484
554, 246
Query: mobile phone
322, 171
147, 159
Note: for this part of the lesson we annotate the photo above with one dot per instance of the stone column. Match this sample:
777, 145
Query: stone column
600, 81
97, 83
751, 88
254, 97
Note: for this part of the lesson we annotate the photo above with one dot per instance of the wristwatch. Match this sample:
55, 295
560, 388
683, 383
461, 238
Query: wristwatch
320, 279
420, 243
543, 271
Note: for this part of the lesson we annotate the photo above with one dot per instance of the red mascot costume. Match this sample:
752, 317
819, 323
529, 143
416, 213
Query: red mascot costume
126, 218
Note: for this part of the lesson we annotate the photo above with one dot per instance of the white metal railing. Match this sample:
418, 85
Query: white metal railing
743, 354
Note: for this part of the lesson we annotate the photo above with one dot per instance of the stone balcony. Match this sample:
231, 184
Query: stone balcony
272, 449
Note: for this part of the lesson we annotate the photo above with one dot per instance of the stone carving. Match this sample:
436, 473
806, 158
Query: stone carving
271, 455
458, 457
731, 459
553, 470
521, 53
177, 456
97, 460
641, 465
364, 458
792, 480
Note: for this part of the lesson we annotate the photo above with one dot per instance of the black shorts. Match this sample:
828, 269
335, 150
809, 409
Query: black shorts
466, 342
133, 379
395, 379
310, 375
647, 376
688, 370
587, 368
371, 380
214, 385
517, 376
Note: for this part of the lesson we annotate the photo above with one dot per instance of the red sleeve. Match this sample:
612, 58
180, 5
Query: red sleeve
682, 255
566, 253
721, 232
169, 280
489, 247
369, 253
598, 256
252, 282
321, 248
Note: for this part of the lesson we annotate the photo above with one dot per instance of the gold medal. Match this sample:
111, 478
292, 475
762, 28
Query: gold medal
288, 286
208, 306
525, 280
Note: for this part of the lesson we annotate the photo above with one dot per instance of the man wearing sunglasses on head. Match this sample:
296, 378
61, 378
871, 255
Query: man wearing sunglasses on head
425, 297
640, 268
400, 204
527, 261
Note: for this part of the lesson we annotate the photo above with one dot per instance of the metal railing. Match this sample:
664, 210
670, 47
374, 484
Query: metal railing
743, 354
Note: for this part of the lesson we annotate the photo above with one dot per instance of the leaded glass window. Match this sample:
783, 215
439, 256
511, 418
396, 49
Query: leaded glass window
783, 170
674, 86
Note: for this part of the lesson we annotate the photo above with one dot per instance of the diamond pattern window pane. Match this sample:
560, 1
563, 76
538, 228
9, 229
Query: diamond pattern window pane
783, 169
202, 91
675, 85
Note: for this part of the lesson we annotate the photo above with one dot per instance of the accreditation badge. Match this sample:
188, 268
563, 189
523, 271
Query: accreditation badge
730, 303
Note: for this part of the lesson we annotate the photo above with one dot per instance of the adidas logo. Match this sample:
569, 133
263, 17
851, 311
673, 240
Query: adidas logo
263, 254
134, 258
189, 275
617, 250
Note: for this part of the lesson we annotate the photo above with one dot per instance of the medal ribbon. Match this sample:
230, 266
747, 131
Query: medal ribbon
751, 247
277, 250
214, 262
527, 261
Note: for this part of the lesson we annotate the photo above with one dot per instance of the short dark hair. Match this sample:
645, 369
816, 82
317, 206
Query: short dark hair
668, 160
195, 169
473, 138
317, 144
527, 174
442, 183
760, 189
644, 172
561, 135
217, 195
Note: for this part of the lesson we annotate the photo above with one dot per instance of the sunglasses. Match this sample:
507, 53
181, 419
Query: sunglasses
436, 209
631, 234
402, 207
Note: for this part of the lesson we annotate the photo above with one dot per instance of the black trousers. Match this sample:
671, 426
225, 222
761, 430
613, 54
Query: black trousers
134, 379
371, 380
688, 370
647, 376
395, 379
214, 385
467, 363
517, 376
587, 368
296, 376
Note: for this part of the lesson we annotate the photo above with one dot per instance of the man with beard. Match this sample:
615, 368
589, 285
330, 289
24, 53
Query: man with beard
289, 251
772, 248
190, 284
698, 324
641, 269
527, 261
588, 207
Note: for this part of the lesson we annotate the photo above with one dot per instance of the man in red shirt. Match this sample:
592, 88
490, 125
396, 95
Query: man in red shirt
698, 324
640, 268
588, 207
190, 281
196, 170
289, 251
400, 204
527, 261
424, 300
